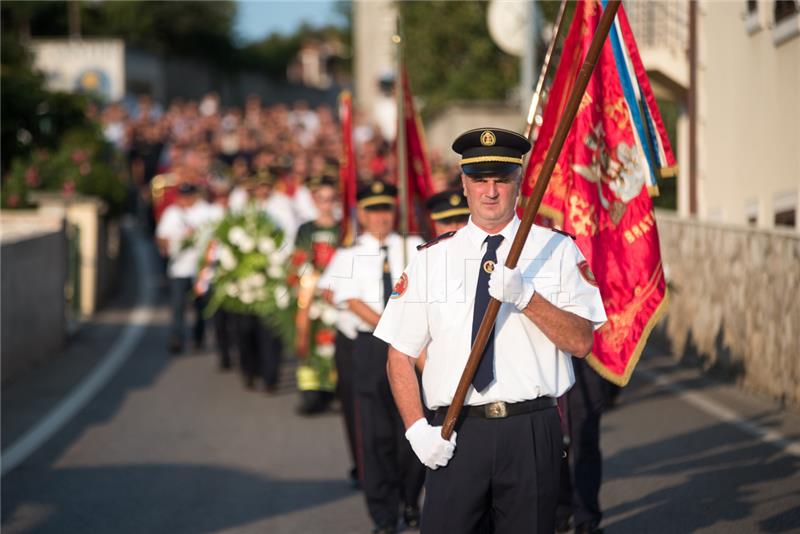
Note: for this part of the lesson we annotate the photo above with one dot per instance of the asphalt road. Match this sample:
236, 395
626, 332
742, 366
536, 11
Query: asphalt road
171, 445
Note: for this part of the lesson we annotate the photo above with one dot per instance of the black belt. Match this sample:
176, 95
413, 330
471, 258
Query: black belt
500, 409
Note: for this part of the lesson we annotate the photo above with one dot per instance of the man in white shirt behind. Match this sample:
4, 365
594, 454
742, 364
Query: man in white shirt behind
392, 476
177, 237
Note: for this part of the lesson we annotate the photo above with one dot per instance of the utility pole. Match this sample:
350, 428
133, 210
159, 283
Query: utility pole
74, 19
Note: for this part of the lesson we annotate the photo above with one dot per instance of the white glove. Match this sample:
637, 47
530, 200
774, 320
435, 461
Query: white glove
428, 444
508, 285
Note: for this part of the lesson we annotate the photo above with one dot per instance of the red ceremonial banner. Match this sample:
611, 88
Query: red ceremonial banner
347, 170
418, 167
598, 192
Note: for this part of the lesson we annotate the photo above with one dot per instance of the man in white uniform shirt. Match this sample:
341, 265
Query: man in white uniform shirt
276, 205
177, 235
339, 268
260, 346
504, 456
392, 477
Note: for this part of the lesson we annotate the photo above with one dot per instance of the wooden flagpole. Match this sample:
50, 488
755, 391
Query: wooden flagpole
545, 72
400, 139
531, 207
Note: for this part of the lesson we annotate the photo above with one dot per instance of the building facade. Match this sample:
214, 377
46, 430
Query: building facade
748, 120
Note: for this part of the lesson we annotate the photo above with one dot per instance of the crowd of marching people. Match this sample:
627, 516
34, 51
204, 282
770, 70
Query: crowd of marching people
197, 168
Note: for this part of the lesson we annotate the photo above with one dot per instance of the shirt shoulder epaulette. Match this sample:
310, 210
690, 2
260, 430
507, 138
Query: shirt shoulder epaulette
562, 232
446, 235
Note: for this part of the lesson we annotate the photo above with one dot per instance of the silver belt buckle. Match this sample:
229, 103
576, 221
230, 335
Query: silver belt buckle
496, 410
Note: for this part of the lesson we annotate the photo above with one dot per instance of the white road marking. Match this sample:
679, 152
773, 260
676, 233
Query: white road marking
87, 388
720, 412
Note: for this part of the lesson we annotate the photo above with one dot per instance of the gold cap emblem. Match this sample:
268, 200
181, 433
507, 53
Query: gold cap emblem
377, 187
455, 200
488, 138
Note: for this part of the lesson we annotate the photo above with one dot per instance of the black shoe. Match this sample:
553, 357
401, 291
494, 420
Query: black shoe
563, 523
355, 482
588, 528
384, 530
411, 516
175, 346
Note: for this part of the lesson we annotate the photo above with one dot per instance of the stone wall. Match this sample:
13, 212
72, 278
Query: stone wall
734, 302
98, 243
34, 269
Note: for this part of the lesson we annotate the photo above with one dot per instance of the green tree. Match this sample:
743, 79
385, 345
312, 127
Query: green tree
30, 116
187, 28
450, 55
273, 54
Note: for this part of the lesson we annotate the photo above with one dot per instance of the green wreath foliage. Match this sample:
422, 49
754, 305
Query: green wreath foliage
251, 270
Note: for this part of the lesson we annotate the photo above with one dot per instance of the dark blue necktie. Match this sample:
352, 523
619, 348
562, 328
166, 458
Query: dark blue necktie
387, 275
485, 374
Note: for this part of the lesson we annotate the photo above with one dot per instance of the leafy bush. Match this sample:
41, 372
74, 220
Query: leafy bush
82, 164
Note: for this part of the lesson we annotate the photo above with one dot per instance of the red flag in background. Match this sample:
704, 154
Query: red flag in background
347, 170
600, 188
418, 167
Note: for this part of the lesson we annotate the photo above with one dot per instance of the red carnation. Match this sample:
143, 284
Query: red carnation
32, 177
78, 156
68, 189
325, 336
299, 258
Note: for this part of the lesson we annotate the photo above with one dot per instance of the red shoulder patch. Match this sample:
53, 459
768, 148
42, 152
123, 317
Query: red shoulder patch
446, 235
400, 287
586, 273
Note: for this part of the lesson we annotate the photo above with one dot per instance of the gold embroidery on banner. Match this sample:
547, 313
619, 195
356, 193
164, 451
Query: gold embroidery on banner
581, 216
618, 112
640, 228
585, 101
624, 378
617, 330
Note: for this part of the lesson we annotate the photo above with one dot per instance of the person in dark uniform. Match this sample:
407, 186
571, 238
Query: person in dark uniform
346, 332
260, 346
223, 320
499, 471
392, 478
315, 246
582, 467
449, 210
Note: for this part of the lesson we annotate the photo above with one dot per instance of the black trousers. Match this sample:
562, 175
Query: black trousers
180, 290
393, 476
343, 358
582, 469
259, 349
223, 331
503, 477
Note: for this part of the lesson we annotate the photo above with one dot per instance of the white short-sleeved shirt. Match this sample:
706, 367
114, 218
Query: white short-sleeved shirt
181, 228
304, 208
364, 281
436, 309
237, 200
279, 208
338, 268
